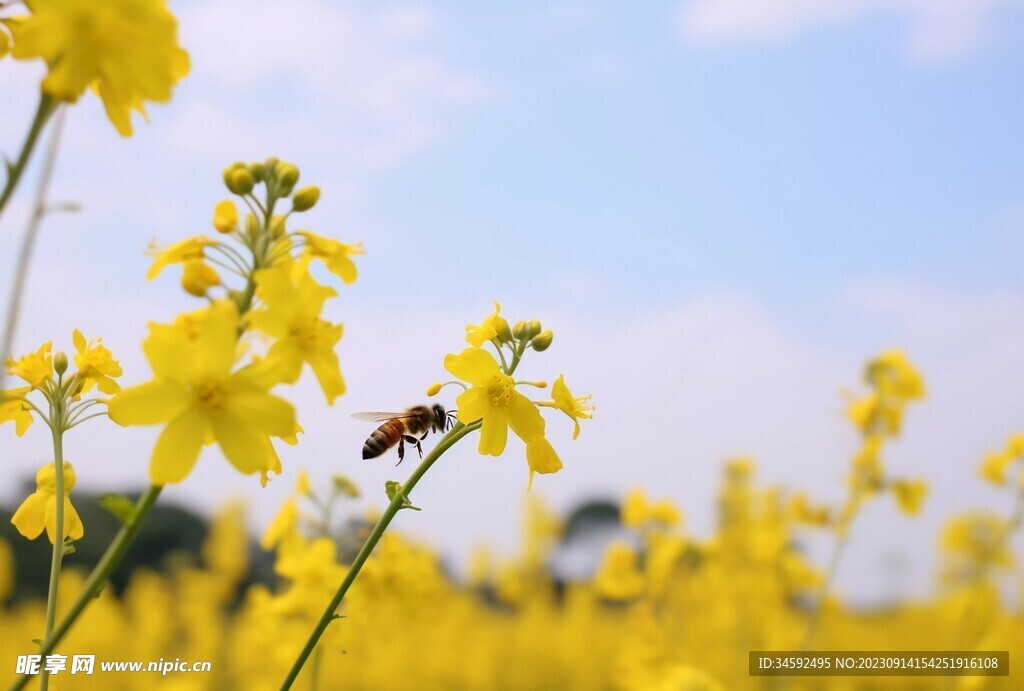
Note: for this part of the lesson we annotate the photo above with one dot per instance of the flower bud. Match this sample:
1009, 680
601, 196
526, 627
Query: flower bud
343, 485
306, 198
434, 389
277, 223
229, 172
502, 328
198, 277
242, 181
542, 341
287, 176
519, 330
252, 226
225, 216
270, 164
60, 362
259, 171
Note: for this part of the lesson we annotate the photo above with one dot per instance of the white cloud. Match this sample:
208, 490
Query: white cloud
364, 86
936, 29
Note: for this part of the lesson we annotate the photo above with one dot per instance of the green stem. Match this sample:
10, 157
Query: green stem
58, 536
38, 211
43, 111
457, 432
100, 575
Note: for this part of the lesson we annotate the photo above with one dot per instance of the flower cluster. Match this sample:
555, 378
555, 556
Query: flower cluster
491, 396
207, 387
62, 401
126, 51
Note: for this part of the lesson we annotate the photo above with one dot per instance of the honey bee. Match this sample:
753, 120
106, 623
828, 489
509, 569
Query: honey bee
410, 427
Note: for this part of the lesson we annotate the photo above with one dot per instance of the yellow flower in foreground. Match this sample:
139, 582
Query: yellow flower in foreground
178, 253
494, 400
293, 301
126, 50
14, 410
910, 494
493, 326
35, 367
334, 254
39, 510
573, 406
979, 537
619, 576
283, 526
96, 364
197, 394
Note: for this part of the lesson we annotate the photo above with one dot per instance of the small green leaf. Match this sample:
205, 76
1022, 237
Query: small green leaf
120, 507
393, 489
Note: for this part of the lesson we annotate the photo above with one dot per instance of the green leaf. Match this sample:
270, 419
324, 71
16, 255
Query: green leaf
120, 507
393, 489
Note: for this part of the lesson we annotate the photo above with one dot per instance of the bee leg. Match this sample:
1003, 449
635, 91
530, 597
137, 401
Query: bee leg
419, 447
401, 451
424, 435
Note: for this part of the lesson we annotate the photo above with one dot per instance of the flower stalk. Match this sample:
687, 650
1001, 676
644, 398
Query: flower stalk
58, 542
14, 172
400, 500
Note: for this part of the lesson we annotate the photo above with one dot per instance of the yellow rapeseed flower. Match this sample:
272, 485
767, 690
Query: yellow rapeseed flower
335, 255
493, 326
293, 301
494, 400
96, 364
39, 510
574, 406
127, 51
34, 368
12, 409
197, 394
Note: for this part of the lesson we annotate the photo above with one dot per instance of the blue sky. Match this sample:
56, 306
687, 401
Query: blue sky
721, 207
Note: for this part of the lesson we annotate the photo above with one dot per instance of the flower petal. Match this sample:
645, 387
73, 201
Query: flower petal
243, 445
472, 404
525, 419
494, 433
30, 518
149, 404
177, 449
472, 365
324, 363
261, 411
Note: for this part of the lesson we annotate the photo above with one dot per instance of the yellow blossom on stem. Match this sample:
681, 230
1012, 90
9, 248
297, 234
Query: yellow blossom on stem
178, 253
638, 511
283, 526
34, 368
574, 406
494, 400
493, 326
199, 397
13, 409
96, 364
39, 510
127, 51
335, 255
293, 301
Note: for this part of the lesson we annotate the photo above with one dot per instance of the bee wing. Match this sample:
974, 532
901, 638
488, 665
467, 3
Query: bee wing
381, 417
